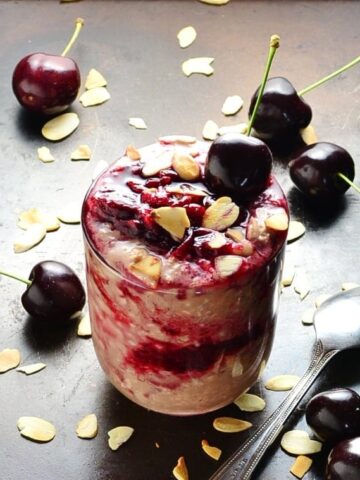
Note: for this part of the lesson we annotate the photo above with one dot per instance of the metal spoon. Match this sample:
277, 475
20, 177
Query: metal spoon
337, 327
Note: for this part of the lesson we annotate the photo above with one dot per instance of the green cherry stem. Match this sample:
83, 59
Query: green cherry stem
348, 181
274, 45
78, 25
329, 77
16, 277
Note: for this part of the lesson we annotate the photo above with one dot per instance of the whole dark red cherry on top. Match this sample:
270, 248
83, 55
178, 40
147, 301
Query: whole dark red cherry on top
47, 84
344, 461
237, 165
334, 415
282, 112
318, 170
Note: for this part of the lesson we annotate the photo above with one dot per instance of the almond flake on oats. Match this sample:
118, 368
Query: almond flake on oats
132, 153
301, 285
298, 442
84, 327
83, 152
180, 471
213, 452
87, 427
99, 168
138, 123
180, 139
185, 166
349, 286
232, 105
70, 213
146, 267
118, 436
186, 36
95, 96
215, 2
37, 429
301, 466
94, 79
31, 369
321, 299
308, 135
217, 240
45, 155
9, 359
29, 238
172, 219
282, 383
155, 164
307, 317
248, 402
296, 230
278, 222
236, 234
221, 214
60, 127
33, 216
210, 130
238, 128
226, 265
200, 65
230, 425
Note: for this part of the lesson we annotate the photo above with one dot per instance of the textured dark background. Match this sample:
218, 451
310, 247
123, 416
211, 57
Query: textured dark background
133, 43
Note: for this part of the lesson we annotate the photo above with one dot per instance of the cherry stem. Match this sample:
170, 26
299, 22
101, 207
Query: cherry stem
329, 77
348, 181
274, 45
16, 277
78, 24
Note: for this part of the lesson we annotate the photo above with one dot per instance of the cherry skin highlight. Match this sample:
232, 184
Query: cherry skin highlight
344, 461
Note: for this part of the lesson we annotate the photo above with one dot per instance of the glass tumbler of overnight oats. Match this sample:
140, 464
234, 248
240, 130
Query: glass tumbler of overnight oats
183, 284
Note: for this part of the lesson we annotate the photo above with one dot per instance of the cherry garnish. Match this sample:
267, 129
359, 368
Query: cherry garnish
322, 170
45, 83
54, 292
344, 461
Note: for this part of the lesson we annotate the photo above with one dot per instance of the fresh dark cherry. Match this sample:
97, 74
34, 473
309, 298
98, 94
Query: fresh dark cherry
315, 170
282, 113
344, 461
237, 165
55, 292
334, 415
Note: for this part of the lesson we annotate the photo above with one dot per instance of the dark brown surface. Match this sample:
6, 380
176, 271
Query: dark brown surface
133, 43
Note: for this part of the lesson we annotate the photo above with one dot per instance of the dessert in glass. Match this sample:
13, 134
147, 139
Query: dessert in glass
183, 283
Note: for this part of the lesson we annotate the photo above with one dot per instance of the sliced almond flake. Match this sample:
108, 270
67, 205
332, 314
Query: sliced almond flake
237, 368
262, 368
185, 166
221, 214
138, 123
349, 286
278, 222
296, 230
146, 267
238, 128
236, 234
307, 317
217, 240
210, 130
185, 190
248, 402
321, 299
132, 153
31, 237
308, 135
288, 274
94, 79
172, 219
232, 105
201, 65
180, 139
118, 436
31, 369
84, 327
298, 442
83, 152
301, 285
45, 155
226, 265
95, 96
282, 383
87, 427
35, 428
301, 466
180, 471
70, 213
155, 164
9, 359
33, 215
60, 127
213, 452
230, 424
99, 168
186, 36
215, 2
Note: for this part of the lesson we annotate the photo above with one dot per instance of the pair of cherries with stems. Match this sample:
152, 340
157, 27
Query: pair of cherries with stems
240, 164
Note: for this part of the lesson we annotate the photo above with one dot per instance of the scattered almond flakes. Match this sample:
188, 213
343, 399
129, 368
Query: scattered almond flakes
221, 214
248, 402
321, 299
288, 274
9, 359
70, 213
146, 267
60, 127
180, 471
301, 285
118, 436
307, 317
99, 168
215, 2
232, 105
45, 155
33, 216
237, 368
87, 427
180, 139
308, 135
94, 79
185, 166
301, 466
201, 65
282, 383
278, 222
95, 96
132, 153
184, 189
155, 164
210, 130
138, 123
230, 425
298, 442
296, 230
238, 128
217, 240
186, 36
83, 152
37, 429
226, 265
213, 452
236, 234
84, 327
31, 237
31, 369
349, 286
172, 219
